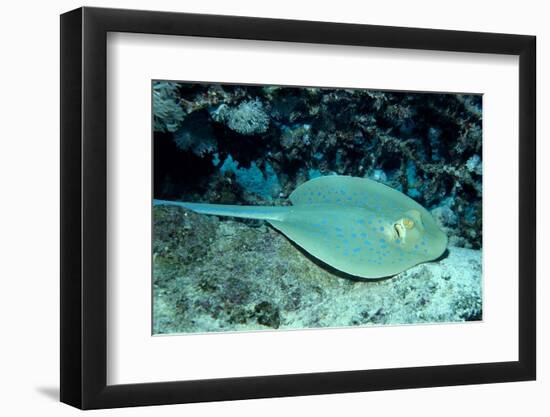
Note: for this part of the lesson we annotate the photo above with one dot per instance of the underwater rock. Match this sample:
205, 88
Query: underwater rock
445, 217
180, 236
218, 275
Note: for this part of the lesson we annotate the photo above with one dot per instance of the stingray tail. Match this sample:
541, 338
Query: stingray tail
245, 212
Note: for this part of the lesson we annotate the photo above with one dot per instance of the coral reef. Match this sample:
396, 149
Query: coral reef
253, 180
167, 112
196, 135
427, 145
212, 275
248, 118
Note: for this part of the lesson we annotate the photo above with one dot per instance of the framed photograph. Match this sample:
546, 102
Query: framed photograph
256, 208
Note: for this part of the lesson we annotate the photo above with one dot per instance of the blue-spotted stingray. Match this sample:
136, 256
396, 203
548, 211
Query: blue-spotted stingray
356, 225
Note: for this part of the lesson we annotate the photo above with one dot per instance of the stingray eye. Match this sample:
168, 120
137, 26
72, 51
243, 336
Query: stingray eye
400, 228
399, 231
408, 223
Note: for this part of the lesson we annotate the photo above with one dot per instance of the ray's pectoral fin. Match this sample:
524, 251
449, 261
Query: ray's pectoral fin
308, 238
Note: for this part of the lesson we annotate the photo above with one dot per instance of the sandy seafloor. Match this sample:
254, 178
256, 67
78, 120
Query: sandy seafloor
212, 275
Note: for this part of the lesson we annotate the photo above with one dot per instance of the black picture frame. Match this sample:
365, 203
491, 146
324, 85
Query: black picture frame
84, 207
